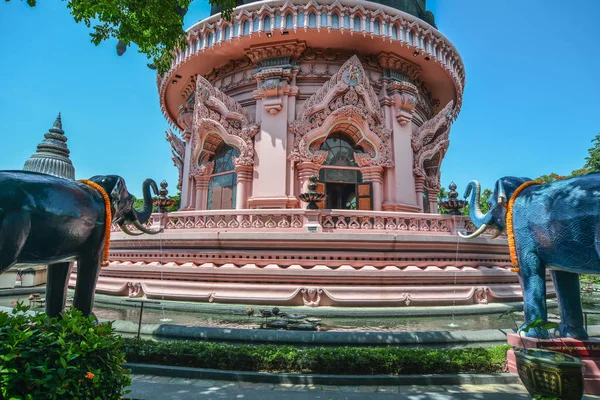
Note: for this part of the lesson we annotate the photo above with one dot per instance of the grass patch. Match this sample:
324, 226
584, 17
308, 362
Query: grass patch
317, 360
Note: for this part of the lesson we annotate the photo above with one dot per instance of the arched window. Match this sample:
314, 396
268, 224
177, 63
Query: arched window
267, 23
357, 27
246, 27
289, 21
335, 21
340, 176
277, 21
255, 24
377, 27
222, 184
346, 22
210, 39
300, 19
218, 35
394, 32
312, 20
323, 19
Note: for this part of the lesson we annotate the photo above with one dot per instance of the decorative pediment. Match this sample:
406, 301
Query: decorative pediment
348, 96
219, 118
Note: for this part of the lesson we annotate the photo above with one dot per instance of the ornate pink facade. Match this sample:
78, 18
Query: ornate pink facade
283, 77
360, 94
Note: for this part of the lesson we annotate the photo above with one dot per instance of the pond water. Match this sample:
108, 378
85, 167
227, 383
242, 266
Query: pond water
237, 318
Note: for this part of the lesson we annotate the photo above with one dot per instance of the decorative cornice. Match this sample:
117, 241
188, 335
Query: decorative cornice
393, 62
405, 98
276, 54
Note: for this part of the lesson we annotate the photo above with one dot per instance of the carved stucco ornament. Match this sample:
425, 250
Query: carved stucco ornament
219, 118
178, 154
347, 97
430, 143
276, 69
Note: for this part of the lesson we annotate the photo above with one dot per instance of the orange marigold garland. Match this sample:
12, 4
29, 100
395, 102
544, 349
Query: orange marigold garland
509, 224
108, 220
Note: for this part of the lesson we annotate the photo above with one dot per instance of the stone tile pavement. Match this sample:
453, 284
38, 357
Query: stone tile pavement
147, 387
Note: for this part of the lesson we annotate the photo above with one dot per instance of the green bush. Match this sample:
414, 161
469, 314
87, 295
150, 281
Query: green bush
67, 357
317, 360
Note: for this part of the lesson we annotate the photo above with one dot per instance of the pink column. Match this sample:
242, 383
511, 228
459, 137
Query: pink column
305, 171
244, 182
375, 175
433, 204
202, 192
420, 189
389, 186
404, 96
185, 120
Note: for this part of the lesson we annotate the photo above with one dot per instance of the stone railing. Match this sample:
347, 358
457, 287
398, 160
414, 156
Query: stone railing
352, 16
329, 221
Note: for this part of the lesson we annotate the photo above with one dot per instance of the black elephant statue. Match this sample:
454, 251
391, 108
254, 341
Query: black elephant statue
45, 220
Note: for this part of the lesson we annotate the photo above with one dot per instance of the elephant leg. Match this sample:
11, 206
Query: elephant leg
56, 287
569, 302
13, 234
88, 269
533, 283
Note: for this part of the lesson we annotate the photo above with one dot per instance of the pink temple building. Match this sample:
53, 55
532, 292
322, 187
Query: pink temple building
360, 94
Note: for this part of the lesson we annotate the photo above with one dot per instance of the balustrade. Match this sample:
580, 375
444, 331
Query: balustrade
415, 33
331, 221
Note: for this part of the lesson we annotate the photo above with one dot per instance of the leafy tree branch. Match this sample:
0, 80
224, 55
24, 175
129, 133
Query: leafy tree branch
155, 26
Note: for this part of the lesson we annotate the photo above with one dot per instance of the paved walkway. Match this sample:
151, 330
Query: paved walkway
146, 387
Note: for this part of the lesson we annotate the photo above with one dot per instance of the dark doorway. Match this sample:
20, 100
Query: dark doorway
341, 196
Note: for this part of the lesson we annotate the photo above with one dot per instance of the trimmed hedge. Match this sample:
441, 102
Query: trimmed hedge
317, 360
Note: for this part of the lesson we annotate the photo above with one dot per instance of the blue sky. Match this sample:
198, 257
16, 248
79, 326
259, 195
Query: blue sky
531, 101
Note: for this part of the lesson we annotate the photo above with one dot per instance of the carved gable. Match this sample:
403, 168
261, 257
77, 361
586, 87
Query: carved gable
348, 96
217, 118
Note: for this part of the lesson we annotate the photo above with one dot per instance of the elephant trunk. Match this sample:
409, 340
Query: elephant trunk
144, 214
477, 217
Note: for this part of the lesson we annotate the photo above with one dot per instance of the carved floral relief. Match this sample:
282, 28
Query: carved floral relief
217, 118
347, 96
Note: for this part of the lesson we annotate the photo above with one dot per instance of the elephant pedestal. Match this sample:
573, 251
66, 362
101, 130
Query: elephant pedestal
588, 351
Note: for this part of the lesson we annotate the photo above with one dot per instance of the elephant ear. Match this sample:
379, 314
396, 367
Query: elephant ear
119, 198
119, 190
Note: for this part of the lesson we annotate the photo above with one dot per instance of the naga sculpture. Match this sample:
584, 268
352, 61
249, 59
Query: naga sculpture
55, 221
553, 226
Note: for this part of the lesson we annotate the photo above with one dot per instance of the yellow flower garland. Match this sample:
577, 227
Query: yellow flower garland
509, 224
108, 219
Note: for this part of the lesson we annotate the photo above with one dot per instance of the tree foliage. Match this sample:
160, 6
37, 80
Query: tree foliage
592, 161
155, 26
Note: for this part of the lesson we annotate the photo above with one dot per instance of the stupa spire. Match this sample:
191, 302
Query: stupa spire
52, 154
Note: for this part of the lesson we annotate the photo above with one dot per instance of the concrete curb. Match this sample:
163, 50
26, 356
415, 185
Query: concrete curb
26, 290
320, 312
335, 380
248, 336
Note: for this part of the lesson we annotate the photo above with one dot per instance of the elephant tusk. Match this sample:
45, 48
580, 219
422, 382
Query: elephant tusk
478, 232
144, 229
127, 231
